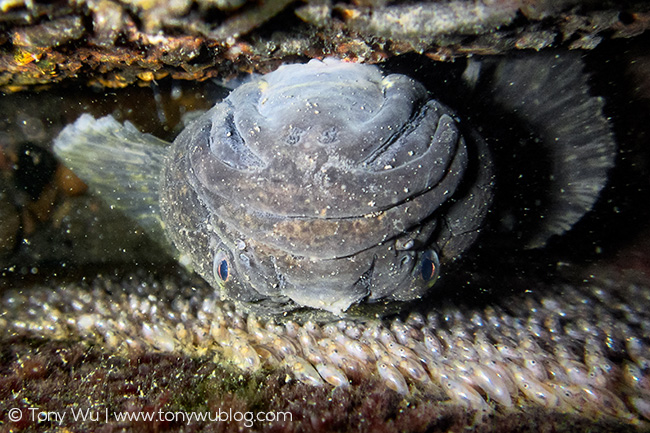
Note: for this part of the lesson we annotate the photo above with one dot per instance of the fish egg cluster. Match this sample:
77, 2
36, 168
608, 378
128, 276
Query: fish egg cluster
582, 350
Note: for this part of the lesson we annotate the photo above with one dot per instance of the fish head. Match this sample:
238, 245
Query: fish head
325, 184
251, 271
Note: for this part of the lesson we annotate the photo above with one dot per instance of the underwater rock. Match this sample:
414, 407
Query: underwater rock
106, 43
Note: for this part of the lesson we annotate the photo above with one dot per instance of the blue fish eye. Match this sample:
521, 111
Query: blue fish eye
429, 266
221, 268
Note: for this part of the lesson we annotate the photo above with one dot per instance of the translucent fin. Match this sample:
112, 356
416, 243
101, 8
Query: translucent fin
120, 164
550, 93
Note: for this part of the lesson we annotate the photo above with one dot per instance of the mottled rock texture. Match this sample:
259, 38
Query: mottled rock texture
117, 43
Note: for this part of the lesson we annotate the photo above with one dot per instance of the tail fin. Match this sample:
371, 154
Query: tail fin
550, 93
120, 164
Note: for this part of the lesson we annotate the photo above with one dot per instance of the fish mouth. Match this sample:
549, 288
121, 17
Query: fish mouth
334, 295
343, 297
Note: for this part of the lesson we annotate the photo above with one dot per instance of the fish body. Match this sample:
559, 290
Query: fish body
331, 184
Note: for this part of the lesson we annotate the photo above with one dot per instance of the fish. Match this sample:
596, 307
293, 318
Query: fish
329, 185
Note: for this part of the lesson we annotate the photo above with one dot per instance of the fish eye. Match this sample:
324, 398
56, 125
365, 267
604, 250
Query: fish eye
220, 266
222, 270
429, 265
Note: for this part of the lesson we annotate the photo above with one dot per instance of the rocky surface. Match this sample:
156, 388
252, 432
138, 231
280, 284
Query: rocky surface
110, 43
